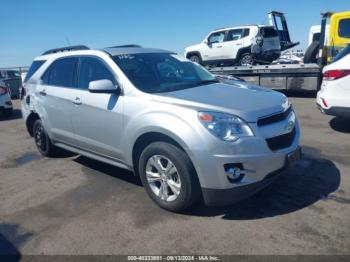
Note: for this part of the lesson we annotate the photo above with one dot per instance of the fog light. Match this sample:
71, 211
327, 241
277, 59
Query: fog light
234, 173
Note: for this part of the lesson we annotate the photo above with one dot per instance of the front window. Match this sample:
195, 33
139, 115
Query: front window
162, 72
217, 37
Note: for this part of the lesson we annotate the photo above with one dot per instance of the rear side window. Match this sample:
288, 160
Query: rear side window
62, 72
33, 68
235, 34
92, 69
344, 28
268, 32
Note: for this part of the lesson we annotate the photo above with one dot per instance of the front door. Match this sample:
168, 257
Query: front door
213, 49
97, 117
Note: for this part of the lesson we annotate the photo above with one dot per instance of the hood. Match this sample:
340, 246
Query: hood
193, 48
239, 98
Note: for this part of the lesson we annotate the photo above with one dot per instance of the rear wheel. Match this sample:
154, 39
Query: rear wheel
168, 176
42, 140
246, 59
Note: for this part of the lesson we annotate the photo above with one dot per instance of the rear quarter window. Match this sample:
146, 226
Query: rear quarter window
268, 32
33, 68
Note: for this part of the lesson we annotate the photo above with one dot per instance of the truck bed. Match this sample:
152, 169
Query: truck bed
302, 77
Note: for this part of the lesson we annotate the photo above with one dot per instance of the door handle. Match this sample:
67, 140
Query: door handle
77, 101
219, 46
42, 92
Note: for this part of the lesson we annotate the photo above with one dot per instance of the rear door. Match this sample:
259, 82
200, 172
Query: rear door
235, 40
55, 99
97, 117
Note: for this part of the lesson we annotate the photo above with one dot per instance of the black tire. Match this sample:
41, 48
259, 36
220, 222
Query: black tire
196, 59
189, 190
8, 112
43, 142
311, 52
244, 58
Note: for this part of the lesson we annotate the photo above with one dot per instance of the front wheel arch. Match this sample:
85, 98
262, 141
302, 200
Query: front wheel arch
146, 139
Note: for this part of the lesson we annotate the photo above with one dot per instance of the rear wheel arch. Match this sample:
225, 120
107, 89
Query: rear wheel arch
242, 51
33, 116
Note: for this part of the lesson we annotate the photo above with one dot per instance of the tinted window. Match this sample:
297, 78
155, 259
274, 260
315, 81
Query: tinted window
316, 37
246, 32
62, 73
92, 69
33, 68
216, 37
268, 32
344, 28
162, 72
235, 34
342, 53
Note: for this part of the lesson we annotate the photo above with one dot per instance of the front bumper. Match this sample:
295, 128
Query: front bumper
222, 197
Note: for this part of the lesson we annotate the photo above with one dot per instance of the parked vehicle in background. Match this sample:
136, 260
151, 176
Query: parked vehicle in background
12, 80
306, 76
6, 108
315, 34
165, 118
242, 45
334, 96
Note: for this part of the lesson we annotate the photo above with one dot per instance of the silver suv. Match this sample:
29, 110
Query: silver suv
185, 134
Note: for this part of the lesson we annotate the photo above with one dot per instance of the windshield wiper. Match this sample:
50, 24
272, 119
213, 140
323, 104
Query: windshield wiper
206, 82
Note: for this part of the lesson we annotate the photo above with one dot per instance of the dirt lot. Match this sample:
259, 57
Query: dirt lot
74, 205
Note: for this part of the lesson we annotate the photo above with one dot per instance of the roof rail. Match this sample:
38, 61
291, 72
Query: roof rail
125, 46
67, 48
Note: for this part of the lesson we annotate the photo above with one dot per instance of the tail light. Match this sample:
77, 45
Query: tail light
335, 74
3, 90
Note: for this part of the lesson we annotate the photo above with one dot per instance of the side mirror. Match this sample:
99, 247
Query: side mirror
205, 41
103, 86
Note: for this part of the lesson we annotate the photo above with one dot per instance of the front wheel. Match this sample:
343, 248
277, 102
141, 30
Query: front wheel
246, 60
168, 176
195, 59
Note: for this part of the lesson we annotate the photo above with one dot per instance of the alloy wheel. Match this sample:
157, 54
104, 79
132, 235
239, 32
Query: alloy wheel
163, 178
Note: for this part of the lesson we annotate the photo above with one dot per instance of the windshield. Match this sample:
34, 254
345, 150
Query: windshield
162, 72
342, 53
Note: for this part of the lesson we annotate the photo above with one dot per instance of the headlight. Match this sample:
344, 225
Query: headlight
225, 126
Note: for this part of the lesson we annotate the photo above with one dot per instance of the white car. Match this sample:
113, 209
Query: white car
242, 45
5, 100
334, 96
